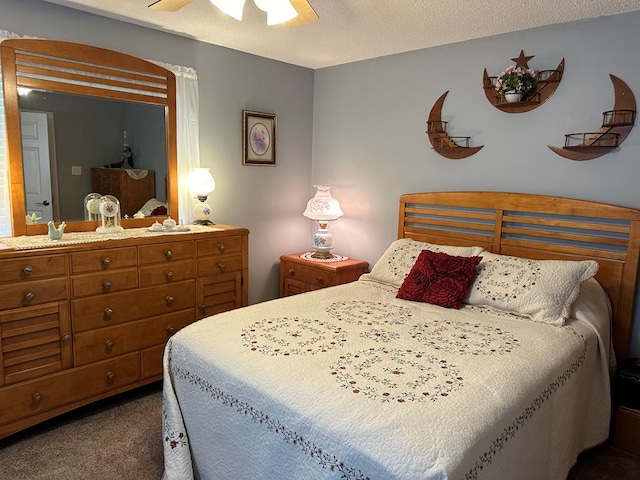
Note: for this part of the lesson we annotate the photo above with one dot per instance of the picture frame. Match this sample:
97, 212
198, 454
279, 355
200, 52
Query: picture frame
258, 138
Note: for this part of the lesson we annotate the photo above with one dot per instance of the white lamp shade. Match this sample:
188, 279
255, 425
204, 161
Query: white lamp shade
278, 11
233, 8
201, 183
323, 207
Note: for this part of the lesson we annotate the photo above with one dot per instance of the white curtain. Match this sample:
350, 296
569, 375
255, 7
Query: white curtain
5, 210
187, 134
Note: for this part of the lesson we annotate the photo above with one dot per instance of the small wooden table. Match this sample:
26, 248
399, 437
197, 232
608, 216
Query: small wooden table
298, 275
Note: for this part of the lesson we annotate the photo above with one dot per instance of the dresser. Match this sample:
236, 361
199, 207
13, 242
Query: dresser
131, 192
298, 275
82, 322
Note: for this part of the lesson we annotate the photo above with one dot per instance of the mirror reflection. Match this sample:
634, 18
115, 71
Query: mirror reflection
74, 145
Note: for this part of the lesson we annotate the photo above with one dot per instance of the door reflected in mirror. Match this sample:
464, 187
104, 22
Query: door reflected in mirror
75, 144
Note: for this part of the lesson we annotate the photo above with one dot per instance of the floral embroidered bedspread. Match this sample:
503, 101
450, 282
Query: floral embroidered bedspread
349, 382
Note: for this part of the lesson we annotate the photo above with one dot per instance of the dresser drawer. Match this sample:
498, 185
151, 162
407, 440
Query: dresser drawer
32, 293
308, 275
109, 281
166, 273
113, 341
219, 246
31, 268
219, 265
165, 252
152, 361
97, 260
115, 308
28, 398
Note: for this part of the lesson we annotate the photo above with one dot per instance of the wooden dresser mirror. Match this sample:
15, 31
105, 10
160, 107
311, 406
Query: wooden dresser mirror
83, 73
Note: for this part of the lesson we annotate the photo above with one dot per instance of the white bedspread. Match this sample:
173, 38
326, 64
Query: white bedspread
351, 383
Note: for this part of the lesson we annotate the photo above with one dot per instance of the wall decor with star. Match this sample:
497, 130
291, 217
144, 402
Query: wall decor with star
545, 82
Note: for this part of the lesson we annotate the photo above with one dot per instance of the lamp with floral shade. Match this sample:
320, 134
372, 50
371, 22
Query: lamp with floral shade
201, 184
323, 208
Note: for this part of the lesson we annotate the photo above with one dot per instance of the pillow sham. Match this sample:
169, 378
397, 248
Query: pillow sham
542, 290
395, 263
439, 279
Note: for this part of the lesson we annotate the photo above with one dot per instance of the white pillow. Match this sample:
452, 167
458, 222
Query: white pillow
396, 262
542, 290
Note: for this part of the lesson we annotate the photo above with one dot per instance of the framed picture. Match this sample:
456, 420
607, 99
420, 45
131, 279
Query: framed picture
258, 138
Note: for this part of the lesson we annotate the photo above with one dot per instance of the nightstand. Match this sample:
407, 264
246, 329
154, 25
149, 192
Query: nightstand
298, 275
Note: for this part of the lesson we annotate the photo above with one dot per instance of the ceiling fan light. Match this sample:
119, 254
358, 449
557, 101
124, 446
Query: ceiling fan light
233, 8
278, 11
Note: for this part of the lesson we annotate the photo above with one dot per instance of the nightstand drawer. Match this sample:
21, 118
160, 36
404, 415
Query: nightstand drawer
99, 260
299, 275
31, 268
309, 275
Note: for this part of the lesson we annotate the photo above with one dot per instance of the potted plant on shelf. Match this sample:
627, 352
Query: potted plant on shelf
515, 82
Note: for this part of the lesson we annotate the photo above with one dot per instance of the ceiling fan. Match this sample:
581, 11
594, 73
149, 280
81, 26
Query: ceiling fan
294, 13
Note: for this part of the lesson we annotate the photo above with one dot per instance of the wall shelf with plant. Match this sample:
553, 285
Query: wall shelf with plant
520, 88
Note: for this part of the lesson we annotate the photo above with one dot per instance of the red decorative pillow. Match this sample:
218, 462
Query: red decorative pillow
439, 278
158, 211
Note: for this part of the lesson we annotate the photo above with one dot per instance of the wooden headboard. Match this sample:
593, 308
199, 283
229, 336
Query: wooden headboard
537, 227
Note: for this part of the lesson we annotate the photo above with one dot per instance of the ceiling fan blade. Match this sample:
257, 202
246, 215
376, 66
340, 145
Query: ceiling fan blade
306, 14
169, 5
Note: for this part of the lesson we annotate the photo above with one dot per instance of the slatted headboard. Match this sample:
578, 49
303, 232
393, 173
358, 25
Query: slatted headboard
537, 227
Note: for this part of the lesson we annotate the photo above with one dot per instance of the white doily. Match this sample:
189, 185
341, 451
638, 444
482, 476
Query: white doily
335, 258
26, 242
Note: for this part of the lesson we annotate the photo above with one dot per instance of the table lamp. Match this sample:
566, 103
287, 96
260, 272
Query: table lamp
201, 184
323, 208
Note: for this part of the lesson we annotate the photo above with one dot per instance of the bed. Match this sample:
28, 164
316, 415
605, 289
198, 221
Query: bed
386, 379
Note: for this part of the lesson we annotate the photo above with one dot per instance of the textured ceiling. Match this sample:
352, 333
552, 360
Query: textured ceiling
351, 30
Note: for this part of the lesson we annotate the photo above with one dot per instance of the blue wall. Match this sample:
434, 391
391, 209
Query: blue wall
369, 126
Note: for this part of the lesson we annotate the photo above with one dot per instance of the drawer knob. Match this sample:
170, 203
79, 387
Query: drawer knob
110, 344
37, 397
111, 376
222, 266
29, 296
107, 284
171, 330
66, 337
106, 261
202, 306
108, 312
320, 280
292, 273
170, 300
28, 270
168, 254
221, 247
169, 275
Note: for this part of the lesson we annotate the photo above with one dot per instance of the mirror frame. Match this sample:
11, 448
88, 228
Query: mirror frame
84, 70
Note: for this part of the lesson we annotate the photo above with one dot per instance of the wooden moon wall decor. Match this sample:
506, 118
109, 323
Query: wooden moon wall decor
547, 82
453, 148
616, 125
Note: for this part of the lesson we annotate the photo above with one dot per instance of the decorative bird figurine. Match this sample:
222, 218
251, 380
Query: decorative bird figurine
56, 233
